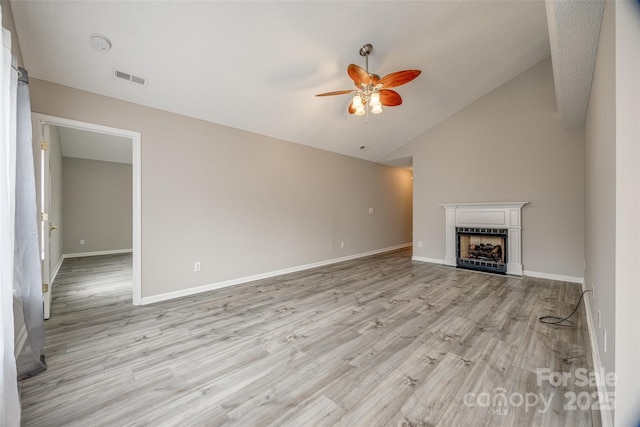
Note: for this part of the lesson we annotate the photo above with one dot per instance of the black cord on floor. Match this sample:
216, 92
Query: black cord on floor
555, 320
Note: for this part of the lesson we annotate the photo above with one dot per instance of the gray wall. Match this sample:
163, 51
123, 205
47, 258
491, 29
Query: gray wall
240, 203
509, 146
612, 203
600, 188
97, 205
627, 348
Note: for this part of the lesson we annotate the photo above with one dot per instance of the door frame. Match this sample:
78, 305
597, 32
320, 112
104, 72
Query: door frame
44, 222
136, 138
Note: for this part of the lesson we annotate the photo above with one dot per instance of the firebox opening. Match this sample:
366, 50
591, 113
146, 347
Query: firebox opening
482, 249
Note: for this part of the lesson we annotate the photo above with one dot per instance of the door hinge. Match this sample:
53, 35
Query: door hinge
44, 145
44, 216
45, 288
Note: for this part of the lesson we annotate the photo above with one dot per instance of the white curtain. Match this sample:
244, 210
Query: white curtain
10, 405
27, 279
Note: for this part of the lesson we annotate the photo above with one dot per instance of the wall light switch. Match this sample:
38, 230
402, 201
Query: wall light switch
370, 210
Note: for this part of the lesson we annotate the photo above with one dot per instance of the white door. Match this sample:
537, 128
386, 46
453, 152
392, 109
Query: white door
41, 131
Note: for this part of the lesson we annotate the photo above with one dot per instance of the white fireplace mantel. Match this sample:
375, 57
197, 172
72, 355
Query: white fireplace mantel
486, 215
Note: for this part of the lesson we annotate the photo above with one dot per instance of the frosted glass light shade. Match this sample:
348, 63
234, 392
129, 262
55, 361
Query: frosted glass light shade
375, 99
357, 102
376, 109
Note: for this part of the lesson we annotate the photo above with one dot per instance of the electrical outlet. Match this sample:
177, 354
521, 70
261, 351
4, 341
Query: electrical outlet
197, 266
82, 241
370, 210
342, 244
604, 339
599, 320
330, 245
419, 244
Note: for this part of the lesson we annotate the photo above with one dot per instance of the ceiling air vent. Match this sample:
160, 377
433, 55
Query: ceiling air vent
140, 81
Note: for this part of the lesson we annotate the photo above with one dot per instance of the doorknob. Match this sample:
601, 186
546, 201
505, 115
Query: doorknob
52, 227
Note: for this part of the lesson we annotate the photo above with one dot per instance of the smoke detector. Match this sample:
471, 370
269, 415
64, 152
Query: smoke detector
100, 42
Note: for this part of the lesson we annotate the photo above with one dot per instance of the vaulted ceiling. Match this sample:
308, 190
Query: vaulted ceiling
257, 65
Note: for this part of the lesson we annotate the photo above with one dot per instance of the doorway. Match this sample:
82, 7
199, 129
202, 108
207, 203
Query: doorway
105, 141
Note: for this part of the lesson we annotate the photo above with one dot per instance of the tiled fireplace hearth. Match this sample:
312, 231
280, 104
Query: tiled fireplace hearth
484, 236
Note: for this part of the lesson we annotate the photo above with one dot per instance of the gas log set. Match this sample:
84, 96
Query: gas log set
485, 252
483, 249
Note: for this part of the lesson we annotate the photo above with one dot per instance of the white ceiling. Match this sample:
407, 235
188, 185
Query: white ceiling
257, 65
84, 144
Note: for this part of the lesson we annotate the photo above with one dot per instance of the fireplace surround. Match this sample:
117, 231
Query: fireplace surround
491, 235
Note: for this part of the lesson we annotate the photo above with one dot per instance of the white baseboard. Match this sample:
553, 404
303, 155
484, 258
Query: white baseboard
96, 253
20, 340
210, 287
605, 414
537, 274
425, 259
559, 277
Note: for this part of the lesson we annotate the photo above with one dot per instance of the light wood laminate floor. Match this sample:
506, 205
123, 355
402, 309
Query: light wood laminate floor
381, 340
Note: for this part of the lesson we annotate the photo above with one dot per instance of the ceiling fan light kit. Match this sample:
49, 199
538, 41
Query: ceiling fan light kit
371, 89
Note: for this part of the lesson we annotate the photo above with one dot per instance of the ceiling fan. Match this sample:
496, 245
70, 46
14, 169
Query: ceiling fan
373, 89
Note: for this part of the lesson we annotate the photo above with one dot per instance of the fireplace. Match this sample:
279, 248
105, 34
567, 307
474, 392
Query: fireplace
499, 224
483, 249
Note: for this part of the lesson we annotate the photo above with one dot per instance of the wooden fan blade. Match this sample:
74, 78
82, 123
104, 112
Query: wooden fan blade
390, 98
358, 75
337, 92
398, 78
